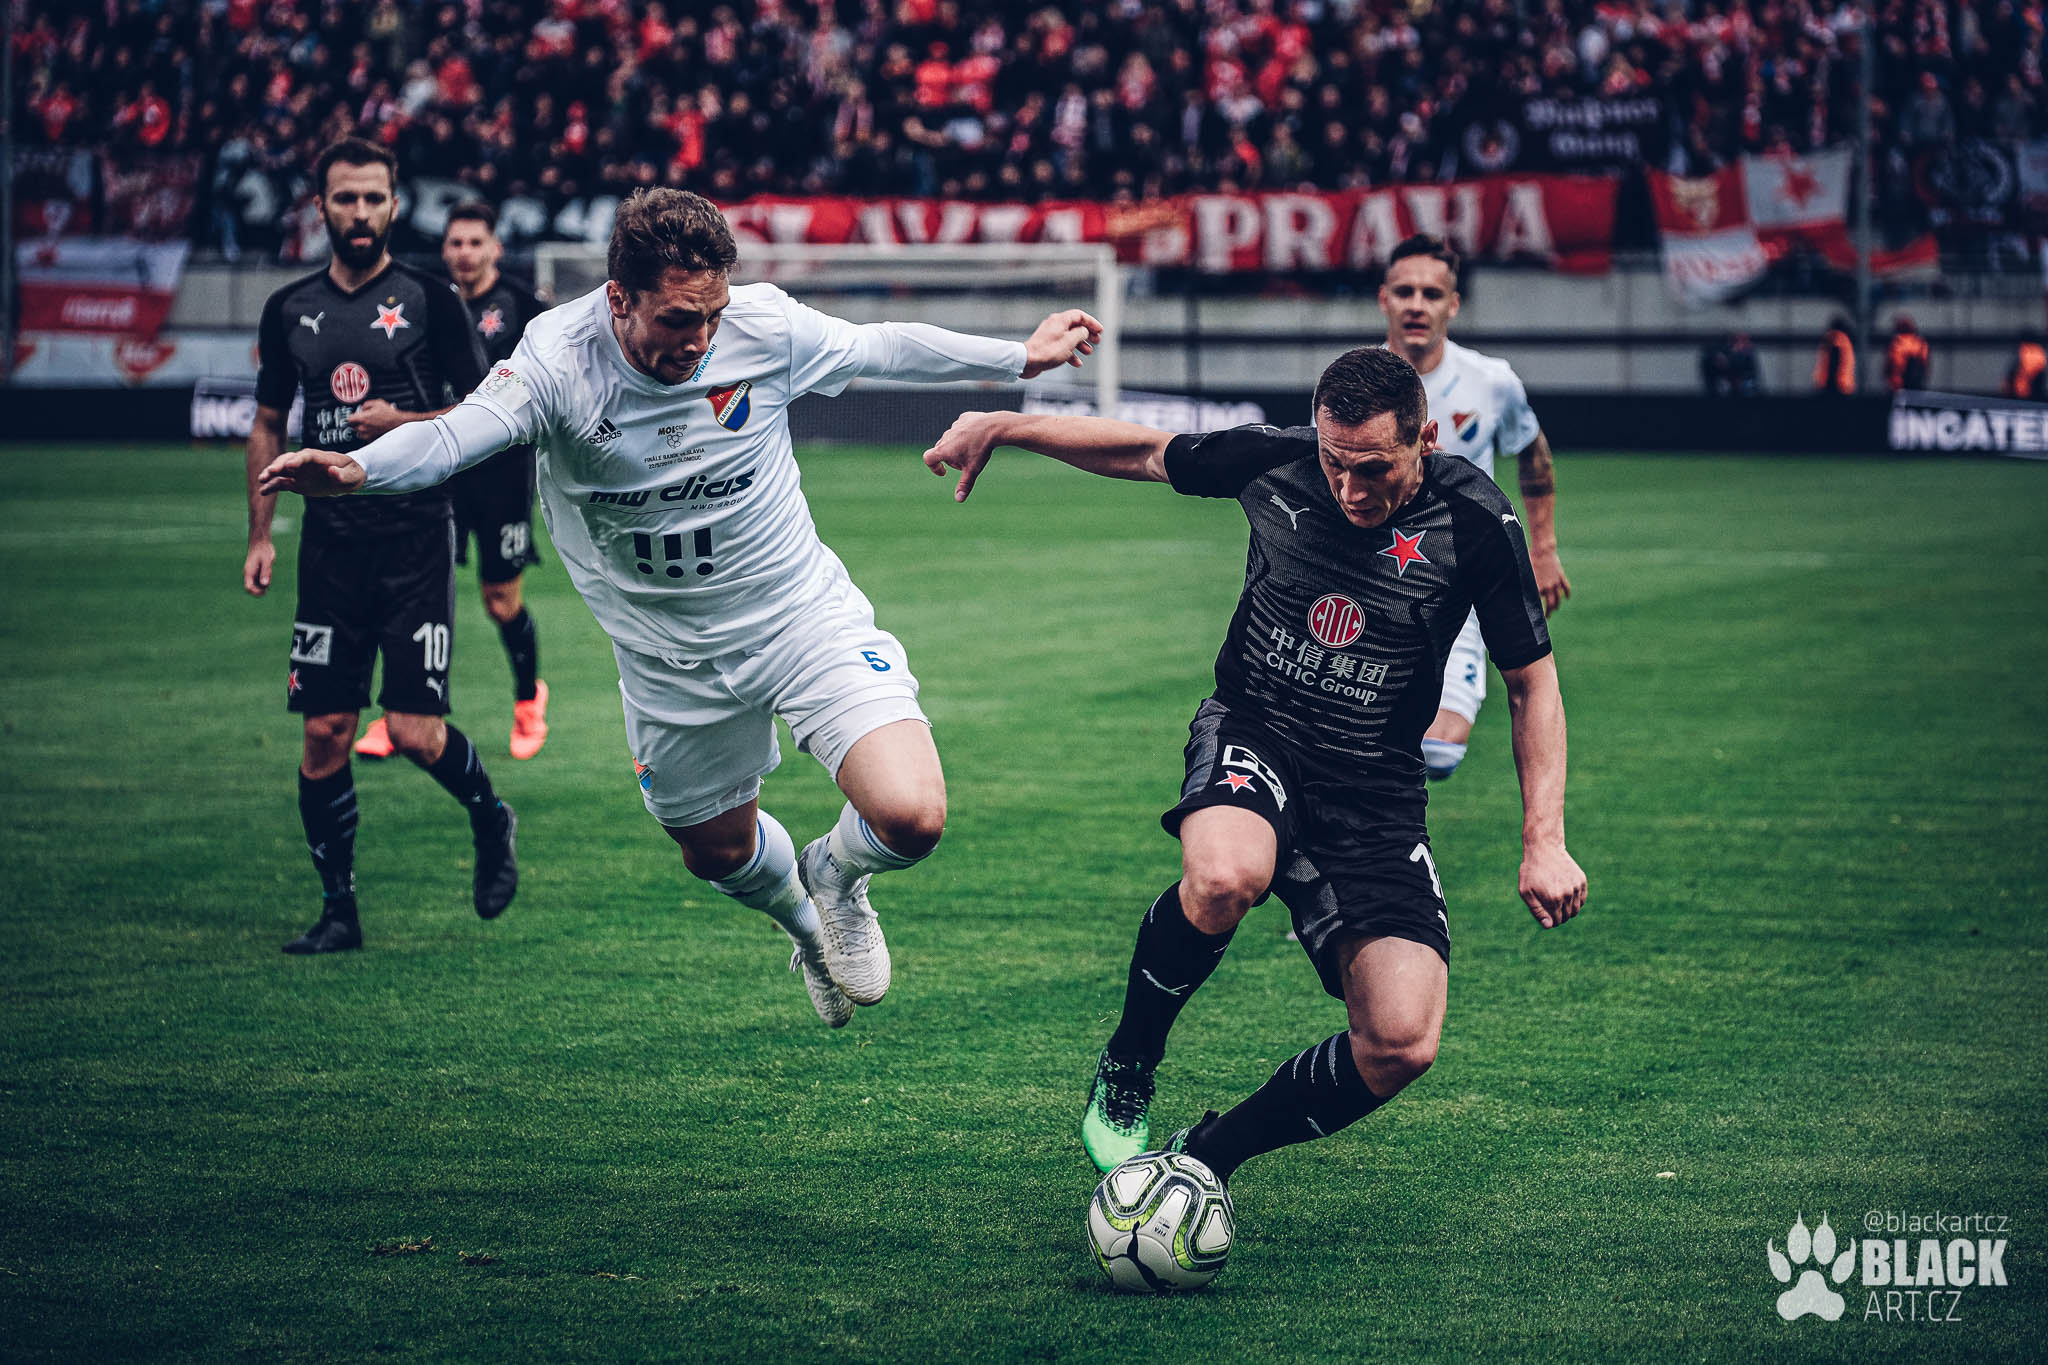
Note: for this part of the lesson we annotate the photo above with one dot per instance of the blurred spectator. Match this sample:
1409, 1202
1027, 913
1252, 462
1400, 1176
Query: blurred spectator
1834, 368
1907, 358
1134, 98
1728, 368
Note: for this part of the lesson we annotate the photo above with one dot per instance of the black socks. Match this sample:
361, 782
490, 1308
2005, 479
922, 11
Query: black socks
1313, 1095
327, 808
461, 770
522, 650
1172, 958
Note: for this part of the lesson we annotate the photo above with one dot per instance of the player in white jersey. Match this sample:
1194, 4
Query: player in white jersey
658, 405
1479, 408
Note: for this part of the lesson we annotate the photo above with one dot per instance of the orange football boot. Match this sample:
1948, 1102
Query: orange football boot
530, 723
376, 741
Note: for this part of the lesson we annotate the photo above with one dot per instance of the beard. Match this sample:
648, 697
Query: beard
357, 255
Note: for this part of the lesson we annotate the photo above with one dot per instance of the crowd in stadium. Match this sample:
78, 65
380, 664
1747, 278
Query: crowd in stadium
980, 99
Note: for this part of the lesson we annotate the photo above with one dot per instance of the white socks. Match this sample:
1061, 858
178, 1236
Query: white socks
858, 849
1441, 757
768, 882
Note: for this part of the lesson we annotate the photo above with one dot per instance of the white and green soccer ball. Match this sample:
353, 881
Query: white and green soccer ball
1161, 1222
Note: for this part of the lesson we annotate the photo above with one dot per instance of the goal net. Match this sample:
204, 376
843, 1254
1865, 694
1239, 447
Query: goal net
992, 290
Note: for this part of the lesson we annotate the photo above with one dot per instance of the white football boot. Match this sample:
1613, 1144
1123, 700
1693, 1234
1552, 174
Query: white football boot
826, 998
854, 950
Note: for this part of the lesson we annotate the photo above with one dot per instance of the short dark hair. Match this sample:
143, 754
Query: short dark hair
1425, 244
353, 151
664, 229
1360, 385
472, 211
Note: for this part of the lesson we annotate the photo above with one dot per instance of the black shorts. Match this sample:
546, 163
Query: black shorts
494, 503
1345, 868
360, 594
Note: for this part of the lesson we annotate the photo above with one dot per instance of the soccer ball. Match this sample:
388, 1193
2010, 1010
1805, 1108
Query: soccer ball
1159, 1222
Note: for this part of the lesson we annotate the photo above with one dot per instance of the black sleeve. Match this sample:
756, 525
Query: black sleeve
451, 332
1219, 464
1493, 561
277, 374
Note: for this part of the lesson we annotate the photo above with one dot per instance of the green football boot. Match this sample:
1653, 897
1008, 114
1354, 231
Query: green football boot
1114, 1126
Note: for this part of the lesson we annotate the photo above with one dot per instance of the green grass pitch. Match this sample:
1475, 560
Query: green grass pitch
1809, 776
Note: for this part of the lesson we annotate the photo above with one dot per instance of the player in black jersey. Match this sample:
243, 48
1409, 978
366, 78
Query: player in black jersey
1304, 768
494, 500
373, 344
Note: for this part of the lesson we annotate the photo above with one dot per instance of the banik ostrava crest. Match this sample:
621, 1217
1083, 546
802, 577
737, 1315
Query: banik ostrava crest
730, 405
1336, 620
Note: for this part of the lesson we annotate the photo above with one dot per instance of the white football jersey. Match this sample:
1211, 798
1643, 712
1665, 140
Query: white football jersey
1478, 406
678, 511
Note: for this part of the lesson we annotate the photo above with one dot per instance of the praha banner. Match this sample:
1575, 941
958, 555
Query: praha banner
1563, 221
1969, 423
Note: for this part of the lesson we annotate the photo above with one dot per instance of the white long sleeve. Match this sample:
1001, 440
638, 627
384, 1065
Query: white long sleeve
421, 454
827, 353
921, 353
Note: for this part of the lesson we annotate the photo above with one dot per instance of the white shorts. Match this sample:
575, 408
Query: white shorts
1465, 672
702, 731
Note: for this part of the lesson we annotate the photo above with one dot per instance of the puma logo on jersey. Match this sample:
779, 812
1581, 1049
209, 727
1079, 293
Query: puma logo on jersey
312, 324
1292, 512
1508, 519
440, 688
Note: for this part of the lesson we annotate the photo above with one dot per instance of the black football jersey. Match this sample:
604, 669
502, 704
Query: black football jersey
501, 314
404, 337
1340, 636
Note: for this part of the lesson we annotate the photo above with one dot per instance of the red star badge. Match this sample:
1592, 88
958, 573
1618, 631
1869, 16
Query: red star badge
1405, 550
1800, 183
1237, 782
492, 322
391, 317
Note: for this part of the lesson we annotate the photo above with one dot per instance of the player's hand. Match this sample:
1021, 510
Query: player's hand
1061, 339
376, 417
1551, 583
312, 474
256, 568
1553, 885
966, 446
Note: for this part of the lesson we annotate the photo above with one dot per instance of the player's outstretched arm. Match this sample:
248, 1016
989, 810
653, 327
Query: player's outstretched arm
1115, 450
1539, 504
1552, 884
311, 474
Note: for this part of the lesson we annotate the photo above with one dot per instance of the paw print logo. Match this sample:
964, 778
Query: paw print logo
1811, 1294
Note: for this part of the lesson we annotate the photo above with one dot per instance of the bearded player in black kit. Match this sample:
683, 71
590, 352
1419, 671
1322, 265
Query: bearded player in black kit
1304, 769
493, 500
373, 343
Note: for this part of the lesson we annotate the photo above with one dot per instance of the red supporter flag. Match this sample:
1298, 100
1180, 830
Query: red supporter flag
112, 285
1711, 250
1799, 200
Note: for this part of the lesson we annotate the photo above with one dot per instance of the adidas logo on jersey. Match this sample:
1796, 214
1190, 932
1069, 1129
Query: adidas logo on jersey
606, 432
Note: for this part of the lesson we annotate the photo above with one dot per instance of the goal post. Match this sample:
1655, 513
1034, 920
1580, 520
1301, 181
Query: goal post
975, 287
